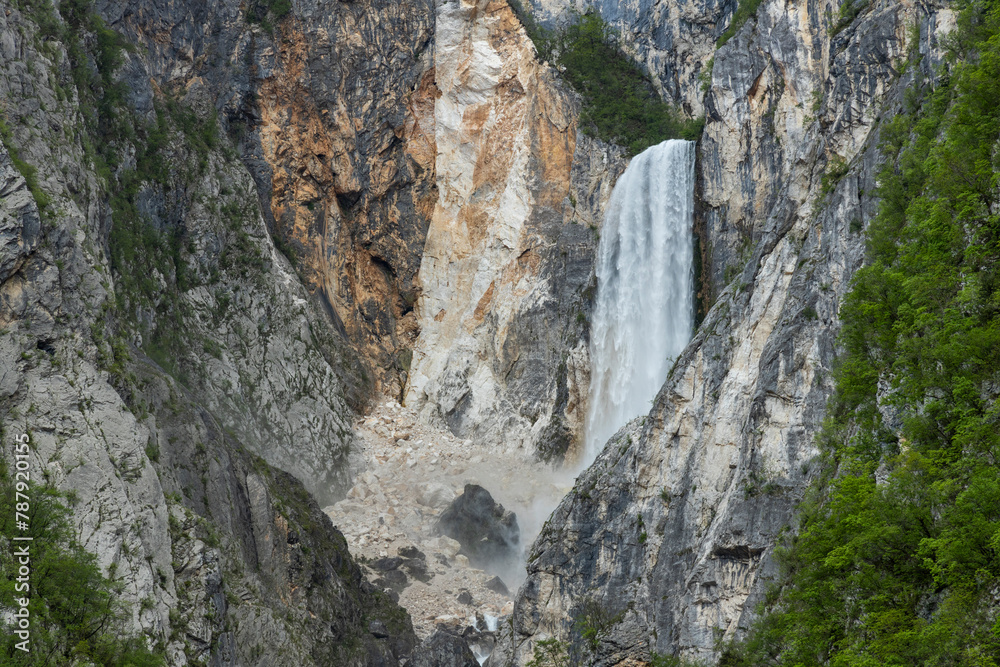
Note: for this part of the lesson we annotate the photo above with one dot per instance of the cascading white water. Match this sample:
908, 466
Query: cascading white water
645, 296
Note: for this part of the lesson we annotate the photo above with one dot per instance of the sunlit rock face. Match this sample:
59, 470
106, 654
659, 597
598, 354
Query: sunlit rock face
674, 525
507, 272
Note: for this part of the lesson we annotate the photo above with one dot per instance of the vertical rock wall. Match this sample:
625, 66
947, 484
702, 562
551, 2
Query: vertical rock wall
348, 174
507, 274
670, 533
223, 559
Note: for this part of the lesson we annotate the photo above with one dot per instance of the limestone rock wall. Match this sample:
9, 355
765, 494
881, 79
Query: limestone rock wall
672, 40
671, 531
506, 279
321, 103
225, 559
349, 169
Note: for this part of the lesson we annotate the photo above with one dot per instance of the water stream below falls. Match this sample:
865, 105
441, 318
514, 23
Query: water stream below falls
645, 293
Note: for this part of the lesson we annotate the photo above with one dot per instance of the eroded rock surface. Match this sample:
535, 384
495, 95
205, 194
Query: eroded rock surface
223, 558
507, 274
670, 533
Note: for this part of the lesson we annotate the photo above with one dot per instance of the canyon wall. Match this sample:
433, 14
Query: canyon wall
223, 228
507, 275
207, 270
160, 349
666, 542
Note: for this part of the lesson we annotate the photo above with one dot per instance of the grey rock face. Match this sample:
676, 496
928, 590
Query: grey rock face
257, 566
669, 536
443, 650
487, 532
224, 559
672, 41
20, 226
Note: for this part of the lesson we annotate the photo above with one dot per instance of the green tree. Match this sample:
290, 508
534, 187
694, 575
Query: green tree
900, 568
76, 613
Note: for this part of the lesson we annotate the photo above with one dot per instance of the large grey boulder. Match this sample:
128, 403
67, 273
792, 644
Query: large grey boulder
488, 533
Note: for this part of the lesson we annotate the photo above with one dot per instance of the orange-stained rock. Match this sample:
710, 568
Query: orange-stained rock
507, 260
352, 170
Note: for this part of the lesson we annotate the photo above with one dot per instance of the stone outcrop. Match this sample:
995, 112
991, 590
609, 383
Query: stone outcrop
669, 536
443, 650
506, 278
487, 532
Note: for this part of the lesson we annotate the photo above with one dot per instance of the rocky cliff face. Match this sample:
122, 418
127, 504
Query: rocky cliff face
211, 237
666, 542
672, 41
348, 164
153, 337
507, 274
280, 211
321, 102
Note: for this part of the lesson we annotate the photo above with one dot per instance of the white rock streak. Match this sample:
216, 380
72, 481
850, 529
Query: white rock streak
645, 296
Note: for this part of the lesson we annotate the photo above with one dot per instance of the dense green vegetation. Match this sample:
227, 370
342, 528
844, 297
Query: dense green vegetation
620, 103
907, 571
76, 615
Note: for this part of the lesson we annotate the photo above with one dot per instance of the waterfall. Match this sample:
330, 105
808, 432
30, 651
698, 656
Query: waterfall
645, 295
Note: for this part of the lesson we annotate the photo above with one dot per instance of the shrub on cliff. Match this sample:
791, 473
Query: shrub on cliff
76, 613
620, 104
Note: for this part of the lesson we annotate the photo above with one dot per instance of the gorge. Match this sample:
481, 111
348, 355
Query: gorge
278, 278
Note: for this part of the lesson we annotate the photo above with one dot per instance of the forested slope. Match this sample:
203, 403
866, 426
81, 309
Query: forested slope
895, 561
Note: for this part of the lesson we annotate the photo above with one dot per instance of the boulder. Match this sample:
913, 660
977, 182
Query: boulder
417, 569
436, 496
394, 579
386, 564
497, 586
487, 532
410, 552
